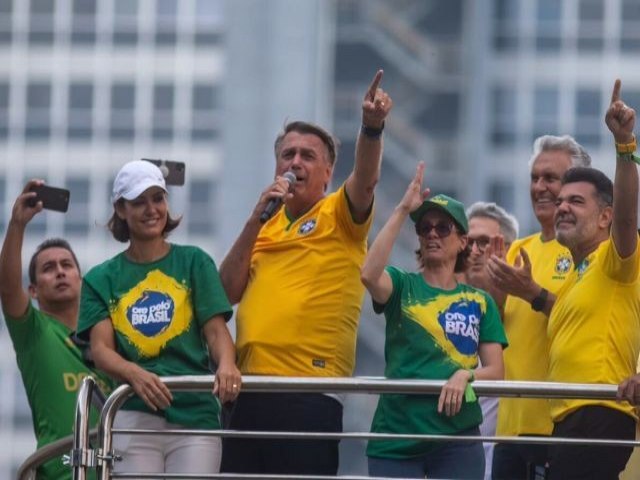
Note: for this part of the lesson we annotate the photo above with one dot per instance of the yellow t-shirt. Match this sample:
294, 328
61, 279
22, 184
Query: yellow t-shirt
299, 313
527, 357
594, 327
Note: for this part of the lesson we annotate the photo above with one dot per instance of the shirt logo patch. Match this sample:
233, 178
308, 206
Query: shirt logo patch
152, 313
307, 227
582, 267
461, 325
563, 264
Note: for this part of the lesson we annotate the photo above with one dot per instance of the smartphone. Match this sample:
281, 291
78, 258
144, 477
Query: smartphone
52, 198
173, 172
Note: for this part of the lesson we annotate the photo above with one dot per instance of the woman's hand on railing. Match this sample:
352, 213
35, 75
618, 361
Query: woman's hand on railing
228, 382
149, 387
452, 394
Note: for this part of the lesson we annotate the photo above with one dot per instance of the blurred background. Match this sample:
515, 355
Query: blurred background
87, 85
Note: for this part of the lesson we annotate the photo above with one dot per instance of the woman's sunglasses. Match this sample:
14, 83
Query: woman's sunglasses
442, 229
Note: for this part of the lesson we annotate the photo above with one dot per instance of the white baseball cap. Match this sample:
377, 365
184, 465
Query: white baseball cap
134, 178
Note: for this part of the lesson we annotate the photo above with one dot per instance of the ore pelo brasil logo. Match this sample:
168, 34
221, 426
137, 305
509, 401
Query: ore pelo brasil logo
151, 313
461, 325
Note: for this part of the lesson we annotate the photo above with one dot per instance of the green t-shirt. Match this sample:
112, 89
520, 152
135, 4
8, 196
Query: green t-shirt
52, 370
158, 310
430, 334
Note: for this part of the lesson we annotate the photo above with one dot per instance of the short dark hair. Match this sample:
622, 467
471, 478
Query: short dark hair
602, 183
49, 243
298, 126
120, 229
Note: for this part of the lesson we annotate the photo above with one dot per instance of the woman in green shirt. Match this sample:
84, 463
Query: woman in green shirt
436, 328
158, 309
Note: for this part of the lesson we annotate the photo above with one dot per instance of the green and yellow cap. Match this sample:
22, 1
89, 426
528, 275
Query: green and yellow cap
448, 205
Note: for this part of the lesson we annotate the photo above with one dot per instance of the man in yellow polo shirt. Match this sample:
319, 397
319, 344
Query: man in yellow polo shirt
594, 323
297, 278
527, 358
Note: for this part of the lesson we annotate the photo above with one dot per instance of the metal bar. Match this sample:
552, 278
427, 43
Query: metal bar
111, 406
379, 436
27, 471
81, 455
251, 476
378, 385
358, 385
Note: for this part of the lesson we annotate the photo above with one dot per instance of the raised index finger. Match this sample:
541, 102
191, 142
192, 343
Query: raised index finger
371, 92
615, 95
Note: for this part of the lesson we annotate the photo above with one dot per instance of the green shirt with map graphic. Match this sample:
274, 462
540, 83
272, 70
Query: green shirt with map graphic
158, 310
430, 334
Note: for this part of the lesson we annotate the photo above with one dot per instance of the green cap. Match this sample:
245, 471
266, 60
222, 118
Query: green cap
450, 206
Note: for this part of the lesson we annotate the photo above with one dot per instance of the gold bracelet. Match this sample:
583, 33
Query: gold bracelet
630, 147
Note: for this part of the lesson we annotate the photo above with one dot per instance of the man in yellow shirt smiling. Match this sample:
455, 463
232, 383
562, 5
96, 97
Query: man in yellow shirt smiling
594, 322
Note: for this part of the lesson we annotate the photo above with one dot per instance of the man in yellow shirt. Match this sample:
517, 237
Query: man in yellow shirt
594, 323
297, 278
527, 357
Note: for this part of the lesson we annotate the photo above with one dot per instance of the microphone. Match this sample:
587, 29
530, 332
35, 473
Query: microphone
274, 203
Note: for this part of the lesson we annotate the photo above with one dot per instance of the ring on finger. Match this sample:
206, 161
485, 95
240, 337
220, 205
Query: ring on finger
235, 385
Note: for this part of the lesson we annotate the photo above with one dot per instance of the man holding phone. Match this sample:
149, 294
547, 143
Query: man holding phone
50, 363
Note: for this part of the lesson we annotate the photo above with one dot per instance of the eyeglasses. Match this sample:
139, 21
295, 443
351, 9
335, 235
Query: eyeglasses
442, 229
481, 243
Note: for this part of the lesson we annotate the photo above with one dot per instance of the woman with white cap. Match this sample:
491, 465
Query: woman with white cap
158, 309
436, 328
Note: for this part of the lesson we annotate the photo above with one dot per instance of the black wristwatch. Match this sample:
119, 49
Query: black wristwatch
540, 300
372, 132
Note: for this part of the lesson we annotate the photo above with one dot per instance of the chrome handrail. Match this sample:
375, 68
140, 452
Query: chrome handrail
366, 385
57, 448
82, 457
88, 394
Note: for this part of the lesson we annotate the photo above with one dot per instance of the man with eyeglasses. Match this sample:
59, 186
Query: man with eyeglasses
488, 223
525, 324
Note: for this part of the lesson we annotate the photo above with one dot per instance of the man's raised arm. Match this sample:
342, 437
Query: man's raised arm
368, 157
14, 298
621, 121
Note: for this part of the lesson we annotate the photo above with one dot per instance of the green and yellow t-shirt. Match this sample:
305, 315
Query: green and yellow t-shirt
430, 334
594, 327
527, 359
300, 310
52, 369
158, 310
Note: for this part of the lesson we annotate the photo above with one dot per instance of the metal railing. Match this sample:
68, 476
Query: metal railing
89, 395
83, 457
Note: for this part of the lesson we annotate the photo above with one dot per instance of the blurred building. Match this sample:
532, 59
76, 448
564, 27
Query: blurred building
86, 85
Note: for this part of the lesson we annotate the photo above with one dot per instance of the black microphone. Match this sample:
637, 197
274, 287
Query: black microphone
274, 203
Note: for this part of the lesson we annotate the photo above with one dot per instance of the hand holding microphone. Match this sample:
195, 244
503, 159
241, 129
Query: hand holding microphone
274, 203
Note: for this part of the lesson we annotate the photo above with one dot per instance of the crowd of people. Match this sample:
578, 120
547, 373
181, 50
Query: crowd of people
562, 304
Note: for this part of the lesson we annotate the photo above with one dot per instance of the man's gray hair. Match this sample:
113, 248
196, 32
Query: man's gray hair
508, 223
565, 143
